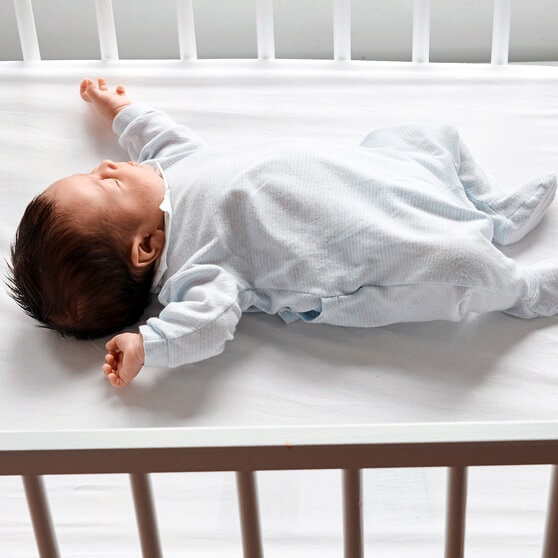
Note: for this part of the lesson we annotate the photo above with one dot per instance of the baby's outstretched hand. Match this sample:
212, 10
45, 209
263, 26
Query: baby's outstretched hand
124, 359
108, 103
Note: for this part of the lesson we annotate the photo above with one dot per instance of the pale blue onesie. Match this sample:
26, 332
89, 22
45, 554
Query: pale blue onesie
397, 229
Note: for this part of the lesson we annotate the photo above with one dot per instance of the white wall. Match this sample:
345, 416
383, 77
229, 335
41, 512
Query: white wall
461, 30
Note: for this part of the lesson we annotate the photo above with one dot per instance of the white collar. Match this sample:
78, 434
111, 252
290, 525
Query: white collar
166, 208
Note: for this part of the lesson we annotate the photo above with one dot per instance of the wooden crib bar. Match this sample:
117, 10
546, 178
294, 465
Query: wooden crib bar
145, 515
455, 512
352, 513
249, 515
550, 549
37, 503
264, 29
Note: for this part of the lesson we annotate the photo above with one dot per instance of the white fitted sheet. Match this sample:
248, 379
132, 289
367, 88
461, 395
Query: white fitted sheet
488, 367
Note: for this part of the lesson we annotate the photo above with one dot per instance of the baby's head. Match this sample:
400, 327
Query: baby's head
86, 248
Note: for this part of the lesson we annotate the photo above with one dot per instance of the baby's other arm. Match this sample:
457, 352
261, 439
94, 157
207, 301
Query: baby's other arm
200, 315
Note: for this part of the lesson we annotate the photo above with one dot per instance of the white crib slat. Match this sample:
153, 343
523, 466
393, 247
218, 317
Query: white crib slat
352, 513
186, 30
550, 549
501, 31
145, 516
342, 29
456, 512
264, 29
40, 516
106, 30
421, 31
249, 517
27, 30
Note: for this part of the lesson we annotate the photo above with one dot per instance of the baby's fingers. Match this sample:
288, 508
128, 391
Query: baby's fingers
83, 89
113, 379
112, 346
102, 84
116, 381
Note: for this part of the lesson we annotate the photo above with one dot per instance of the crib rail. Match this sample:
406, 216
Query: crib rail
268, 448
264, 30
351, 448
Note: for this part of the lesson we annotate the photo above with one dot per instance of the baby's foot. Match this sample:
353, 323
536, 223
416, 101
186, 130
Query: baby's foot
530, 213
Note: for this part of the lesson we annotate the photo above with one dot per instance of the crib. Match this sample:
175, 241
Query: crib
155, 440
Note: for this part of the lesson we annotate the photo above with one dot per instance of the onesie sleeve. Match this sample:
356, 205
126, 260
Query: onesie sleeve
200, 315
150, 135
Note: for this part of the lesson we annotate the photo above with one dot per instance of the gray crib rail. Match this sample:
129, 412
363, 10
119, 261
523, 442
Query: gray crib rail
349, 448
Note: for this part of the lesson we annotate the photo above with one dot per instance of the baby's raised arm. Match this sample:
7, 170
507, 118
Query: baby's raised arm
107, 103
148, 135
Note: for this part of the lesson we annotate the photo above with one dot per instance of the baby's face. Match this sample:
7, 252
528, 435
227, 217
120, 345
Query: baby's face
122, 192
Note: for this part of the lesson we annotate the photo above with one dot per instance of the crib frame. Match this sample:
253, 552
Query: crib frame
139, 452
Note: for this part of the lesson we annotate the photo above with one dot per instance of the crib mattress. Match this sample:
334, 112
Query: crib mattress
489, 367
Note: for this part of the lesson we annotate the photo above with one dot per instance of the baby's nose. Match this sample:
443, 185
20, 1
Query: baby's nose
105, 164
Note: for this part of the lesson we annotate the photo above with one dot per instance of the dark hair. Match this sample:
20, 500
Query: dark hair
73, 280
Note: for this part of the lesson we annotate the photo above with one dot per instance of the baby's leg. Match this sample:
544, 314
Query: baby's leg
514, 214
455, 279
486, 280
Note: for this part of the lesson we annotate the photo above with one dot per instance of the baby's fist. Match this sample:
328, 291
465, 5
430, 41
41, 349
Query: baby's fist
124, 359
107, 103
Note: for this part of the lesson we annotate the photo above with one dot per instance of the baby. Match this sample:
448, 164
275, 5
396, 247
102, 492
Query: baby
399, 228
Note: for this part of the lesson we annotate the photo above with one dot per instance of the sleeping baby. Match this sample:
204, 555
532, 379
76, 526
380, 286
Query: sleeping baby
400, 228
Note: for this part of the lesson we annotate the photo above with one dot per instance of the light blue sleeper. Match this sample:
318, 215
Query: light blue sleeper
397, 229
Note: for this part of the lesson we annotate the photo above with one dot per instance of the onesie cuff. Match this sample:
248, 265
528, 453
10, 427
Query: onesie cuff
154, 347
129, 113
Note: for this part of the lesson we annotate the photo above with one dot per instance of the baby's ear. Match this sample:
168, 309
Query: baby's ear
146, 249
